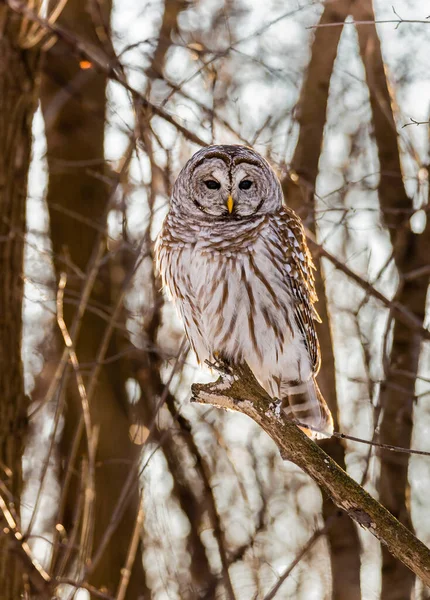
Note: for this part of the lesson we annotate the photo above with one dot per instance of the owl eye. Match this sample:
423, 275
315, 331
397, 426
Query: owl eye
245, 184
211, 184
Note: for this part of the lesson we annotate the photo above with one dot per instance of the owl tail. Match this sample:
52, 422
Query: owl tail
306, 405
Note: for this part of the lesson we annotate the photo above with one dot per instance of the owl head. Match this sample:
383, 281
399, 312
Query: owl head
226, 182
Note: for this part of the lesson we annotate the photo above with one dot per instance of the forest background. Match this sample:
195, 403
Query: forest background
112, 485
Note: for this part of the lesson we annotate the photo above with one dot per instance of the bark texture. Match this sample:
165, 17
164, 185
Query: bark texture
73, 103
299, 189
18, 98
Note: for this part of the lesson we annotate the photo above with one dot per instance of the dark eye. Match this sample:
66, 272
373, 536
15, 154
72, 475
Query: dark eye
211, 184
245, 184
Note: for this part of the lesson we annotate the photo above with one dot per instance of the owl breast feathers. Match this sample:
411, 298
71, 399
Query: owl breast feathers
238, 269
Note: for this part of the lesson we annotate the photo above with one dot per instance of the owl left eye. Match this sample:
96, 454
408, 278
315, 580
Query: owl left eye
211, 184
245, 184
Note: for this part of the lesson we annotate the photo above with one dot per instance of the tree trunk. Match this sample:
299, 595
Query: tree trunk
169, 26
410, 252
299, 190
73, 103
18, 100
397, 400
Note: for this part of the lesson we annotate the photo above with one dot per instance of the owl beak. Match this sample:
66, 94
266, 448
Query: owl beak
230, 203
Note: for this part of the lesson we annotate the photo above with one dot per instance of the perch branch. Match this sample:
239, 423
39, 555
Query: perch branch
238, 390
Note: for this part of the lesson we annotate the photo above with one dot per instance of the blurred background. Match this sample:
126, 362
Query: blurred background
121, 488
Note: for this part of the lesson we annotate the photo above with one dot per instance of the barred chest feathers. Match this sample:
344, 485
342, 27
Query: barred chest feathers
231, 290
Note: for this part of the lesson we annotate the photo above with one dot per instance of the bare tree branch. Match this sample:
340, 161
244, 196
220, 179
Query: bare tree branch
399, 310
238, 390
271, 595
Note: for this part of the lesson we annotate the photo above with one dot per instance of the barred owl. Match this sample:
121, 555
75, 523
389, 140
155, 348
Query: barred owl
237, 266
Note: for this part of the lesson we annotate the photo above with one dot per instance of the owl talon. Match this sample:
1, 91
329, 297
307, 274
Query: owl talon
220, 365
276, 406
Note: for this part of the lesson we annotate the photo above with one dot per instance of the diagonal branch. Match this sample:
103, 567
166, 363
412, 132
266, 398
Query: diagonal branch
398, 309
238, 390
306, 548
39, 580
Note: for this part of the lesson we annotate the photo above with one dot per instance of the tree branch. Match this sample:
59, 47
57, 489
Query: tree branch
239, 390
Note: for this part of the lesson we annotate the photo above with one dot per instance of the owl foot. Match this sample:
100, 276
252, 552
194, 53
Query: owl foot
276, 406
220, 364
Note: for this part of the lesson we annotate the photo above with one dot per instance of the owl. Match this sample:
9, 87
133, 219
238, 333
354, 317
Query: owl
235, 261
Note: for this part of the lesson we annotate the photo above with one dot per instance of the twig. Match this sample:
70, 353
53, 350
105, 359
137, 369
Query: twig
413, 122
38, 577
401, 312
309, 544
90, 277
241, 392
134, 472
345, 436
131, 557
397, 21
86, 586
381, 22
87, 521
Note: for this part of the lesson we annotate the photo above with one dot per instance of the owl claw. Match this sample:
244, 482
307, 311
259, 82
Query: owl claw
220, 365
276, 406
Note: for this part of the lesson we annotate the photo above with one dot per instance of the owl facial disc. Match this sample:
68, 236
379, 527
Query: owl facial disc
227, 182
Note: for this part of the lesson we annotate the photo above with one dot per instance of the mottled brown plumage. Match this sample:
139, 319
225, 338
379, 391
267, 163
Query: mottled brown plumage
237, 266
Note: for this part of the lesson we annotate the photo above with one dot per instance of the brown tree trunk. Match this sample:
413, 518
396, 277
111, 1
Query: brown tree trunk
299, 188
410, 252
147, 370
169, 26
73, 103
397, 400
18, 100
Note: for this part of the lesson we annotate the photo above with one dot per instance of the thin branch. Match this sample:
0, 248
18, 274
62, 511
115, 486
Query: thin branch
131, 557
397, 22
309, 544
414, 122
88, 520
85, 586
401, 312
39, 579
345, 436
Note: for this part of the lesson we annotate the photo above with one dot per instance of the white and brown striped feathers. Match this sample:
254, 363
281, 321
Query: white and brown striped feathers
237, 266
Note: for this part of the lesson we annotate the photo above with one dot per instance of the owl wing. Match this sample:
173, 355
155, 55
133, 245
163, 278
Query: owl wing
299, 269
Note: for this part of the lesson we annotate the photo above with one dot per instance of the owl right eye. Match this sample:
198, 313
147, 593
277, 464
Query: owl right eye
211, 184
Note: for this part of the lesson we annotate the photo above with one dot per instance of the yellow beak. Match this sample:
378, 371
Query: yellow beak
230, 204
